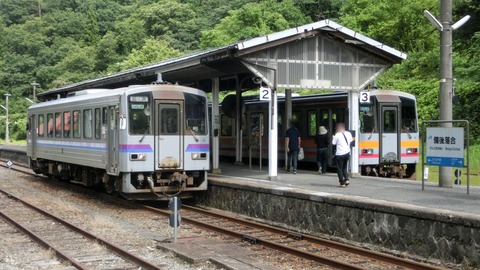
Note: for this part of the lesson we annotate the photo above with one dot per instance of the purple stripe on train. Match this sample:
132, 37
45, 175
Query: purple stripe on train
198, 148
135, 148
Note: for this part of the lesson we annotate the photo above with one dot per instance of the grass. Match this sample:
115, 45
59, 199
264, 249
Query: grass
474, 169
15, 142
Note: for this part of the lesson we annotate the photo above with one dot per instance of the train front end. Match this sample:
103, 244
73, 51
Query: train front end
389, 136
166, 151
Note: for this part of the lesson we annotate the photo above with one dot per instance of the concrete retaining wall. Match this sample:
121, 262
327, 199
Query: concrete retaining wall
17, 156
417, 231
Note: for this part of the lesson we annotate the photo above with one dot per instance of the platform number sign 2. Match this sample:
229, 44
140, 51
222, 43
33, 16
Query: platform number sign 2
265, 93
364, 97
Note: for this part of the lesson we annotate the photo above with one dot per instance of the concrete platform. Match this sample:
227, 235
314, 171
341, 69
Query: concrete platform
393, 190
227, 256
438, 224
16, 153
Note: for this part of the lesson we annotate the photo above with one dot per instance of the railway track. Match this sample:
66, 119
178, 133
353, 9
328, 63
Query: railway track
68, 242
331, 253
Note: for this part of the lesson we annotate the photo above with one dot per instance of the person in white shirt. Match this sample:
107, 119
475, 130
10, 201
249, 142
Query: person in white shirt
342, 141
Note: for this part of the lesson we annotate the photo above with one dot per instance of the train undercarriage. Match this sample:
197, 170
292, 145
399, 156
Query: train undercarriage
136, 186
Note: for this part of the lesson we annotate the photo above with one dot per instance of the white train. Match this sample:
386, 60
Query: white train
144, 142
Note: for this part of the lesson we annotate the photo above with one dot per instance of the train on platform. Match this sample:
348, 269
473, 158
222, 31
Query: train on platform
143, 142
388, 141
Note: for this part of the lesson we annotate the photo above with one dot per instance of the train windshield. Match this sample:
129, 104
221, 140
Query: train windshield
409, 115
139, 115
195, 113
367, 118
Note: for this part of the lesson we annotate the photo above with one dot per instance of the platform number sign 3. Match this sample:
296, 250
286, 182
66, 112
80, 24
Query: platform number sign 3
265, 93
364, 97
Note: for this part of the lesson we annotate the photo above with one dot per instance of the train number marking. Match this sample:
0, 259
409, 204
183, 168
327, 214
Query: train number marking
265, 93
364, 97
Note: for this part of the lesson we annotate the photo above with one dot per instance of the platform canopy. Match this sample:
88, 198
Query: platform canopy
320, 55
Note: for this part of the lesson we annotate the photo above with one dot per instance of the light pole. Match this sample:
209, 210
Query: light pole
7, 137
35, 85
446, 72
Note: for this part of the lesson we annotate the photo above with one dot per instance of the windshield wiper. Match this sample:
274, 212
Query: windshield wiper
193, 134
144, 134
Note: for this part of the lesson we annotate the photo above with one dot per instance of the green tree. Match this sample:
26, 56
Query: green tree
152, 51
252, 20
400, 24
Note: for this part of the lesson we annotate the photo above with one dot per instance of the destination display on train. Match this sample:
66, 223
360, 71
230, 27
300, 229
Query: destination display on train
445, 146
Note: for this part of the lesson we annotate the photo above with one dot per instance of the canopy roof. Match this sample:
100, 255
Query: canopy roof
320, 55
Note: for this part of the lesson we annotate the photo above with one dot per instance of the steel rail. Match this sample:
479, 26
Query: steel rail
114, 248
316, 240
387, 258
43, 242
267, 243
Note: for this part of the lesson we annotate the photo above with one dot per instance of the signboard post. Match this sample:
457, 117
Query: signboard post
445, 148
174, 219
9, 165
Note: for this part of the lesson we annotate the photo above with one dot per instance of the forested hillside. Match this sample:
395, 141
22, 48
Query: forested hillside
57, 43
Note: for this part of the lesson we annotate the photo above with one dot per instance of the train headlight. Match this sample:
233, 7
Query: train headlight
368, 151
197, 156
412, 150
138, 156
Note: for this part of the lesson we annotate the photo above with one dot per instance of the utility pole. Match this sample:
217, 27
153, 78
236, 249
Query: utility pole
446, 80
35, 85
446, 72
7, 137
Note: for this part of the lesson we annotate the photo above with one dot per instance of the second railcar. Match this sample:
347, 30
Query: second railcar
388, 141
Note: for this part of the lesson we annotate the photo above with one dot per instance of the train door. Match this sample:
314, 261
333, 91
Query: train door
389, 133
32, 135
112, 140
169, 135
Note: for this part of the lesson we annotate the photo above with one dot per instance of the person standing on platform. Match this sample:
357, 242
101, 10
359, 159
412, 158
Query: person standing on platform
342, 141
322, 149
293, 143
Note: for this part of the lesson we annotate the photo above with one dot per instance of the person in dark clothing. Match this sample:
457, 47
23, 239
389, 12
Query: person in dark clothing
293, 143
322, 149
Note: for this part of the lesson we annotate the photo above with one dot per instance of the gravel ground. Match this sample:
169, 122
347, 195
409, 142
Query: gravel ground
133, 229
114, 223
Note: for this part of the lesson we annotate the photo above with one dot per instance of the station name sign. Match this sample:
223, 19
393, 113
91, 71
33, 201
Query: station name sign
445, 146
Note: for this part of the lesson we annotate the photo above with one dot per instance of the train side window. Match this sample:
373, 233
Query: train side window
324, 121
196, 113
66, 124
244, 125
98, 123
280, 125
41, 125
87, 124
58, 125
226, 126
389, 121
409, 115
312, 123
104, 122
76, 124
367, 119
50, 124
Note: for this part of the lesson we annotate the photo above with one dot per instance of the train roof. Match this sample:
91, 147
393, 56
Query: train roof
92, 94
330, 96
